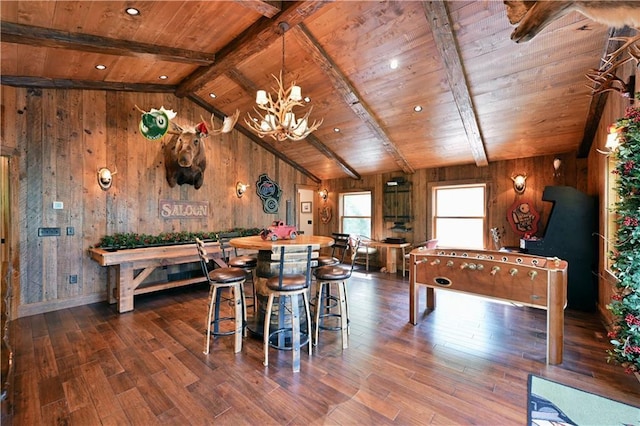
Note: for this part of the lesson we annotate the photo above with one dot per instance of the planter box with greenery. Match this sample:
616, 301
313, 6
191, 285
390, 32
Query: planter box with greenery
129, 240
625, 304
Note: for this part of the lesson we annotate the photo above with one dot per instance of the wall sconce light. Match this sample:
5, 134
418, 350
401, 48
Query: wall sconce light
105, 178
557, 163
241, 188
519, 183
324, 194
613, 140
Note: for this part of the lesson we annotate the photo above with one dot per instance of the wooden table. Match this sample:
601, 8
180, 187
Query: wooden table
255, 242
267, 268
392, 253
128, 269
535, 281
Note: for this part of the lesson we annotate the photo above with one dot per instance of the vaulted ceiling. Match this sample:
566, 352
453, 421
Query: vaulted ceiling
484, 98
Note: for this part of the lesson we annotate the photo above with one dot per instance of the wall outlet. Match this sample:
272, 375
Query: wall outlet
48, 232
70, 230
58, 205
73, 279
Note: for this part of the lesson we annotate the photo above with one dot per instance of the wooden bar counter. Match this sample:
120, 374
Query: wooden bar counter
268, 267
535, 281
128, 268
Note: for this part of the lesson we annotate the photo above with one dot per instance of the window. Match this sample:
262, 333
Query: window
459, 217
355, 213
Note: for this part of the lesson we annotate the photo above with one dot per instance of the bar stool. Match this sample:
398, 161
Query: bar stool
289, 286
339, 248
247, 262
341, 244
220, 279
337, 275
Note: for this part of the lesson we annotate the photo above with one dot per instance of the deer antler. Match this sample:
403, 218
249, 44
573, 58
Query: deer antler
605, 81
605, 78
227, 124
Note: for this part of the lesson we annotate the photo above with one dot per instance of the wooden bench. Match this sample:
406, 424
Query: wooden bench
129, 268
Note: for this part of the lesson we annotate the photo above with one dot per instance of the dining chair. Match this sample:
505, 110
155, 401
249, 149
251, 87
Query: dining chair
429, 244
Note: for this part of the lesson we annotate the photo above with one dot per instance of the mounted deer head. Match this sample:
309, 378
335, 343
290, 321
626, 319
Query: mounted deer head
184, 155
534, 16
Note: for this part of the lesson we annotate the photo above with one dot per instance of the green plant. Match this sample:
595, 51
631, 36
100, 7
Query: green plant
625, 303
123, 240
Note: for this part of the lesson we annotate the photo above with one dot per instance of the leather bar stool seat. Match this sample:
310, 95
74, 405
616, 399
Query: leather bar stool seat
289, 283
243, 261
324, 260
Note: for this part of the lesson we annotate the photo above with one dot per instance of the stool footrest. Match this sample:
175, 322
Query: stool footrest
329, 327
273, 339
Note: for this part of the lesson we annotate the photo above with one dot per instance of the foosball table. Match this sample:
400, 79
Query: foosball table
535, 281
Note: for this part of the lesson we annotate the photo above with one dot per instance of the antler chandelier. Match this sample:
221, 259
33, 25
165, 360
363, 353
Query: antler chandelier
278, 120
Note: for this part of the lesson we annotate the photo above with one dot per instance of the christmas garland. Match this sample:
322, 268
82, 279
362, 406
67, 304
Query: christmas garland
625, 303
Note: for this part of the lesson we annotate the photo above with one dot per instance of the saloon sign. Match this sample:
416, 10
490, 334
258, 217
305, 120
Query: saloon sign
176, 209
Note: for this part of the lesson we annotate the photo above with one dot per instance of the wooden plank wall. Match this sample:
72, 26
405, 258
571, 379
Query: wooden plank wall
539, 170
58, 139
63, 137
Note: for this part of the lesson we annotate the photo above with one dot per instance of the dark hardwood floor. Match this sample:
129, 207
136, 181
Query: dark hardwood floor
467, 362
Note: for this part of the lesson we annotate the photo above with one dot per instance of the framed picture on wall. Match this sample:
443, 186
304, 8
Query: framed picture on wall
305, 207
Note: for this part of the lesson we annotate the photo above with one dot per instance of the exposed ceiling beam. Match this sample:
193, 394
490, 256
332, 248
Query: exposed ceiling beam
46, 37
598, 101
200, 102
349, 93
328, 152
59, 83
438, 20
257, 38
250, 87
268, 9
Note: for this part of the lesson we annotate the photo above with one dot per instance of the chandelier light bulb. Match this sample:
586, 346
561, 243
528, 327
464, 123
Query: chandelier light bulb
296, 93
261, 97
301, 127
289, 119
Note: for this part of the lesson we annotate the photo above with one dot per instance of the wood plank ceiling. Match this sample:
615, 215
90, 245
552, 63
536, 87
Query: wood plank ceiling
484, 98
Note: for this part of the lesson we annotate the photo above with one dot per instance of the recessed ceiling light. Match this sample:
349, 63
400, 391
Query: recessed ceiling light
212, 95
337, 130
393, 64
101, 67
417, 108
132, 11
163, 77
